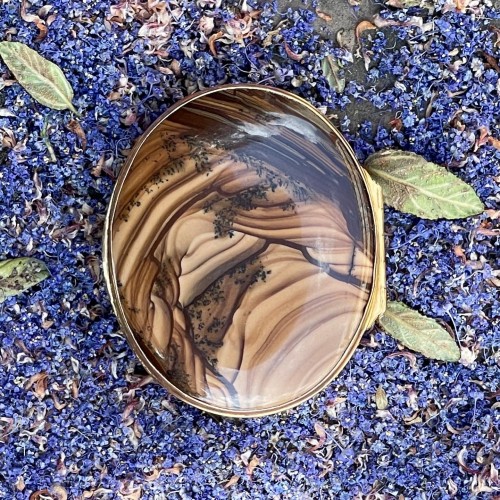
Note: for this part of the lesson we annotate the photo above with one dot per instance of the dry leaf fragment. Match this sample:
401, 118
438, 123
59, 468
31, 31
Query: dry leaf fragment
461, 5
293, 55
57, 404
362, 27
381, 398
40, 495
153, 476
491, 61
206, 25
129, 491
211, 42
484, 136
323, 15
396, 124
231, 482
461, 461
485, 231
6, 113
39, 382
497, 33
176, 469
59, 492
492, 214
254, 462
317, 444
459, 252
332, 72
20, 484
74, 127
45, 10
36, 20
494, 142
406, 354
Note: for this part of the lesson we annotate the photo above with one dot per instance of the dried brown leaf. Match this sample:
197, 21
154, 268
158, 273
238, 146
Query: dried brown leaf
491, 61
332, 72
396, 124
206, 26
492, 214
459, 252
461, 5
293, 55
254, 462
36, 20
362, 27
39, 383
494, 142
461, 461
152, 476
231, 482
413, 419
6, 113
487, 231
211, 42
484, 136
59, 492
74, 127
323, 15
318, 443
20, 484
57, 404
176, 469
320, 431
44, 10
381, 398
496, 30
40, 494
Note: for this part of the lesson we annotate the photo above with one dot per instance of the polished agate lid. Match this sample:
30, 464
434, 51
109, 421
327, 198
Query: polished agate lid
242, 250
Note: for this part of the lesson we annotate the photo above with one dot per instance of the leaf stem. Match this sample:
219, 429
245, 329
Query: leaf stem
46, 140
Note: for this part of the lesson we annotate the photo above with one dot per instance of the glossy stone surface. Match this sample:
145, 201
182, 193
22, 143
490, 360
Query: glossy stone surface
242, 252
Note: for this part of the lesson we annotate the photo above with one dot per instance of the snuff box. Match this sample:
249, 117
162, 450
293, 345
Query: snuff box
243, 250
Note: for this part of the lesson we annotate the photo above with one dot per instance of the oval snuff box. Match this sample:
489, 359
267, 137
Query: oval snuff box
243, 250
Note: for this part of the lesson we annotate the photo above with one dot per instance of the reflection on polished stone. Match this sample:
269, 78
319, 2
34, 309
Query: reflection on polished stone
242, 251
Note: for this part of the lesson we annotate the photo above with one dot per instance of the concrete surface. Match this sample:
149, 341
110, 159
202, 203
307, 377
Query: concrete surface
345, 18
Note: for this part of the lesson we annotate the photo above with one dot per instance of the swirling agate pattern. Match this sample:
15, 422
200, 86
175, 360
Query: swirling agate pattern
242, 257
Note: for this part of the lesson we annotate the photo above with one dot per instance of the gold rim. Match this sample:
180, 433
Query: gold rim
374, 307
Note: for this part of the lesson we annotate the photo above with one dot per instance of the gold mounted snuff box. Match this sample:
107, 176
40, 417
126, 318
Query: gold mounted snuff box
243, 250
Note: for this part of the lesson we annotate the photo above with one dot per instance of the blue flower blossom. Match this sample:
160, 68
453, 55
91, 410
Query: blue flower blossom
73, 411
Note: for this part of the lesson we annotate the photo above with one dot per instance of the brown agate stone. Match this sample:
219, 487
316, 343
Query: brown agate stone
242, 249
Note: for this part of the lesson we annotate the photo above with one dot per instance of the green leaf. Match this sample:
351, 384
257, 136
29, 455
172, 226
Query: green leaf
418, 332
411, 184
42, 79
17, 275
331, 71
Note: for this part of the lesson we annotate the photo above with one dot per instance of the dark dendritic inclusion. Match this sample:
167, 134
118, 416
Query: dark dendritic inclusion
226, 208
242, 254
208, 329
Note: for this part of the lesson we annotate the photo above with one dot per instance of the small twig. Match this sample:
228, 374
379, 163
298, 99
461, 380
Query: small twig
46, 140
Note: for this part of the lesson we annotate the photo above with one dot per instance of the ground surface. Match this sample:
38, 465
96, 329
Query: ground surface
79, 418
